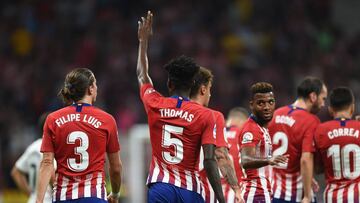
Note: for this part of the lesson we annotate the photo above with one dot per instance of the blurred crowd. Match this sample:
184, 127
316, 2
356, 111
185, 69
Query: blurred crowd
241, 41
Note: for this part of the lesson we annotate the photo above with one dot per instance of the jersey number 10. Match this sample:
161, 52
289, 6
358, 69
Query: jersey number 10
341, 161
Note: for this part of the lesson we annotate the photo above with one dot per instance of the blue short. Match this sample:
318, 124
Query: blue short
84, 200
168, 193
275, 200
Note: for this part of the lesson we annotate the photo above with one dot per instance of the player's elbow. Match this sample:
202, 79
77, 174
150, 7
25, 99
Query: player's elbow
15, 172
306, 160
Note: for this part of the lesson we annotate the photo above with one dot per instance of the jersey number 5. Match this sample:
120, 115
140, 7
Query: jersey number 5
80, 151
168, 141
282, 149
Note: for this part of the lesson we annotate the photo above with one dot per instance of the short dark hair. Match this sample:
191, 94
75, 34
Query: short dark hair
261, 87
341, 98
308, 85
203, 77
181, 72
237, 112
75, 85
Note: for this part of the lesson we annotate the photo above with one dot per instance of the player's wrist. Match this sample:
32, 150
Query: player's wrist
115, 195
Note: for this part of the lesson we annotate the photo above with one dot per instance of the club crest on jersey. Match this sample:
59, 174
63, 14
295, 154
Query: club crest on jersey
247, 138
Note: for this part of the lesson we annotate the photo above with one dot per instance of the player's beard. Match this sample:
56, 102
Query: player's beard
315, 108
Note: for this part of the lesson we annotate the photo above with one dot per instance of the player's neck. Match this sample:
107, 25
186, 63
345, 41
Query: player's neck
342, 114
301, 103
86, 100
180, 93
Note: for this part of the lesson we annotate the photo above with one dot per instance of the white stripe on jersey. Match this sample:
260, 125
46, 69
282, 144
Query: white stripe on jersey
288, 188
64, 184
55, 186
87, 186
264, 185
299, 189
330, 193
155, 173
250, 197
98, 185
177, 177
75, 190
340, 192
189, 184
278, 186
231, 196
166, 177
197, 183
350, 194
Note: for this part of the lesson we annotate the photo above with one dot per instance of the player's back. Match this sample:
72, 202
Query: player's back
80, 136
338, 143
178, 128
29, 164
291, 130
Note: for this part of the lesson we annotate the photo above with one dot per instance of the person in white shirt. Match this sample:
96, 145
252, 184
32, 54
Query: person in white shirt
25, 170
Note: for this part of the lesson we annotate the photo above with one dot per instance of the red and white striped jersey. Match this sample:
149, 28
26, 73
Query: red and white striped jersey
178, 128
338, 143
220, 142
256, 183
80, 135
232, 136
69, 188
292, 132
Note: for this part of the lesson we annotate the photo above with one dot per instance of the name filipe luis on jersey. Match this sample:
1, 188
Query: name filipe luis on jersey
76, 117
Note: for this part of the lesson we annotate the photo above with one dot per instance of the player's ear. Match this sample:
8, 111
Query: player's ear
202, 89
313, 97
352, 109
251, 102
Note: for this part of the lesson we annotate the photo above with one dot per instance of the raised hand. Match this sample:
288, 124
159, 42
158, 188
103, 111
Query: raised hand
281, 159
145, 27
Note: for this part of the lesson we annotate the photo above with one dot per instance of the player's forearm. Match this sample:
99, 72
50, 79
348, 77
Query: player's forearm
212, 173
45, 172
20, 180
249, 162
306, 165
115, 178
142, 63
226, 167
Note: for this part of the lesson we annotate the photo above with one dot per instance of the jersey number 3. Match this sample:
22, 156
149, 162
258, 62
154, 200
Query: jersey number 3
80, 151
168, 141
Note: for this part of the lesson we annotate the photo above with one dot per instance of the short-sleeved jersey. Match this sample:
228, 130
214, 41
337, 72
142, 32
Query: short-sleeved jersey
338, 143
232, 136
29, 163
256, 182
220, 142
178, 128
80, 135
292, 131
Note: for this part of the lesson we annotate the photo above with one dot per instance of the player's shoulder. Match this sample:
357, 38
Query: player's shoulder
102, 113
35, 146
250, 126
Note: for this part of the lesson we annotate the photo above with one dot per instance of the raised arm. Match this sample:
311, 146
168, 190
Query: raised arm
250, 161
212, 171
144, 32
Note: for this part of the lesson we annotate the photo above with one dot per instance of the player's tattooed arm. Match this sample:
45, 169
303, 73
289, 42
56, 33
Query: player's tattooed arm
212, 171
250, 161
144, 33
45, 172
226, 166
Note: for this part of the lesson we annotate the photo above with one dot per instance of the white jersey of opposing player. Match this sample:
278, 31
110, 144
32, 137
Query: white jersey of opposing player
29, 163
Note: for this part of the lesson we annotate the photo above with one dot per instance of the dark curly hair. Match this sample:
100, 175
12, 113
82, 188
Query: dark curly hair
341, 98
261, 87
181, 72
